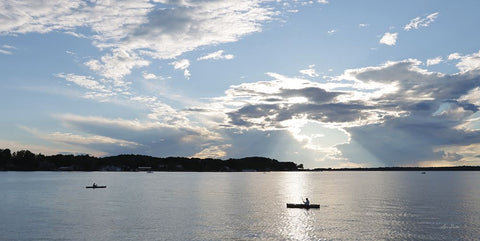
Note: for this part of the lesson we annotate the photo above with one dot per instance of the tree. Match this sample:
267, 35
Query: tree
5, 156
24, 160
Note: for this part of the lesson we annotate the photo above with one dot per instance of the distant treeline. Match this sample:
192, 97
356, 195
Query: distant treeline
25, 160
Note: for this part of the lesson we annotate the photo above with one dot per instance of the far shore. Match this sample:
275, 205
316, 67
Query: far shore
425, 169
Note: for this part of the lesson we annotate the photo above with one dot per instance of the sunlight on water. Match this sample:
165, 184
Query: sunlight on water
239, 206
297, 224
296, 186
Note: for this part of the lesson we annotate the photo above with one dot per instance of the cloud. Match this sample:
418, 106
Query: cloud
86, 82
393, 114
434, 61
213, 152
454, 56
182, 64
118, 64
389, 39
3, 51
332, 31
149, 76
467, 63
436, 105
6, 46
73, 139
310, 71
109, 21
47, 149
131, 31
267, 105
184, 28
363, 25
6, 49
418, 22
149, 137
216, 56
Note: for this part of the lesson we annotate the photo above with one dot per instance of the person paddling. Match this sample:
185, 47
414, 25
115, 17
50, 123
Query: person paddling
307, 202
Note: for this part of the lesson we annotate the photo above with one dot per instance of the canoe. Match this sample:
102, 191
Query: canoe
96, 187
295, 205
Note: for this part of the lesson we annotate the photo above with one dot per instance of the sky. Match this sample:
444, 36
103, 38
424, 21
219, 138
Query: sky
324, 83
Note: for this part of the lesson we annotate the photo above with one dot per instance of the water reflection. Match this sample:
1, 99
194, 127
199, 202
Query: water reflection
297, 224
240, 206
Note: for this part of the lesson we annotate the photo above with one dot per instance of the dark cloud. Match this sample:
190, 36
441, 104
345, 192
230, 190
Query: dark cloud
407, 126
416, 83
431, 123
316, 95
409, 140
275, 113
168, 21
320, 106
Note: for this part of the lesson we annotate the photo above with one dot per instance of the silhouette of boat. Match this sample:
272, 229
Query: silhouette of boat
423, 172
96, 187
301, 205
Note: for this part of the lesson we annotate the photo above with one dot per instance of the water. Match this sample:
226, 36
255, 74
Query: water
239, 206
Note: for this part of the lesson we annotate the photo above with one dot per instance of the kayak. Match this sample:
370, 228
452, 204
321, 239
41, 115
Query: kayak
294, 205
96, 187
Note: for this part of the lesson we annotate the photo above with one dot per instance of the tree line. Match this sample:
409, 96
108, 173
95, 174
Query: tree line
25, 160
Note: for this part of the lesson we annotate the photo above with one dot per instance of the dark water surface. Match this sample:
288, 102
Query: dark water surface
240, 206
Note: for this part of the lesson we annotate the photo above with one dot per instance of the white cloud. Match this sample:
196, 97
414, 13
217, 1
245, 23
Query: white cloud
322, 1
468, 62
118, 64
389, 39
216, 56
434, 61
146, 75
6, 49
310, 71
110, 20
2, 51
134, 30
363, 25
187, 74
6, 46
212, 152
87, 82
182, 64
473, 96
454, 56
86, 140
332, 31
418, 22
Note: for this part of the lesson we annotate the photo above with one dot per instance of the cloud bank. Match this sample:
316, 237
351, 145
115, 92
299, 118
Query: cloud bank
396, 114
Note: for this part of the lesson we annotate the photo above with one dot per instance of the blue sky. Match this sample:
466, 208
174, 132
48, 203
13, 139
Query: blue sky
323, 83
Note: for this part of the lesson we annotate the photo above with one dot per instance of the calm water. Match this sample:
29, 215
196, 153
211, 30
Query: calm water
239, 206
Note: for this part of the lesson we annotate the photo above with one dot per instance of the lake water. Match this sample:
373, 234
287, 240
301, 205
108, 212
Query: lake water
239, 206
